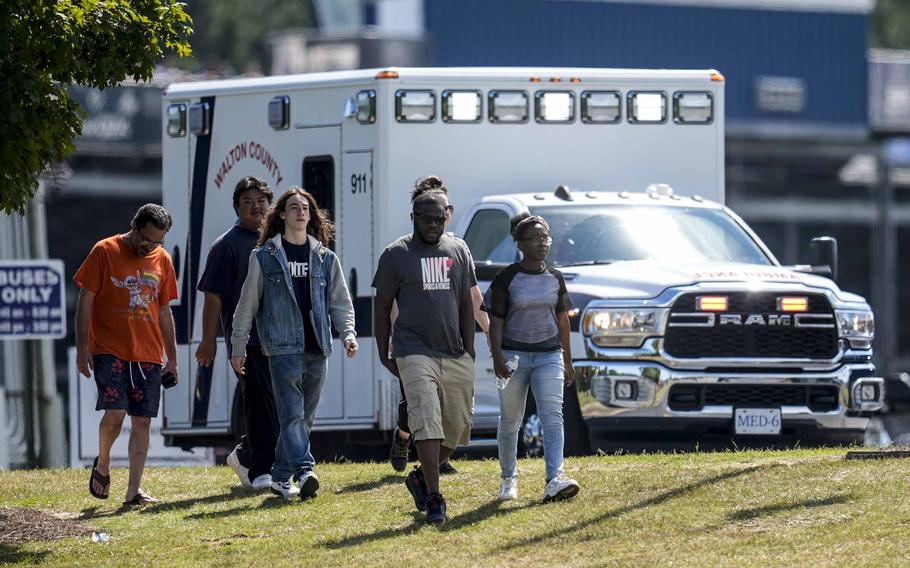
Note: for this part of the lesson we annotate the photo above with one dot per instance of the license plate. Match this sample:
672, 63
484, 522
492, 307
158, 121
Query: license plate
756, 421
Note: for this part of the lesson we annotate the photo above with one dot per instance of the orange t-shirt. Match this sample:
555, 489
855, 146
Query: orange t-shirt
128, 292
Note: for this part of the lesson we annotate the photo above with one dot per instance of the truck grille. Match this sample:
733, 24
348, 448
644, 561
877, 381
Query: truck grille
822, 398
762, 330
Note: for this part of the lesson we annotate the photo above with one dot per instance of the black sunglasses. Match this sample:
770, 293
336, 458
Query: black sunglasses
429, 219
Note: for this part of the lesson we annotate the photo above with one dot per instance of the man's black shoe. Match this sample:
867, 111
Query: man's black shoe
418, 488
398, 455
445, 468
436, 509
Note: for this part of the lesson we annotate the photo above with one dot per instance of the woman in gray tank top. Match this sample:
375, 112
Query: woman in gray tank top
529, 340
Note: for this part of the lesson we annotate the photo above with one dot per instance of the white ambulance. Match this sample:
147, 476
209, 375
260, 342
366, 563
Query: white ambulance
682, 298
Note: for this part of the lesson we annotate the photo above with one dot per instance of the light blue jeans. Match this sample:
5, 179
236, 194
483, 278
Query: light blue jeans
297, 381
543, 373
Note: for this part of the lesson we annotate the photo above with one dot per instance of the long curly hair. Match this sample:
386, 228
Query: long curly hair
320, 226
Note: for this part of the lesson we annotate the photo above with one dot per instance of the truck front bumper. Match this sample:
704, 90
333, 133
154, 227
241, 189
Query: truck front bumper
634, 397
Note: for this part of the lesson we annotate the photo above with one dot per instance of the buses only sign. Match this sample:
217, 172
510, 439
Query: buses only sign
32, 302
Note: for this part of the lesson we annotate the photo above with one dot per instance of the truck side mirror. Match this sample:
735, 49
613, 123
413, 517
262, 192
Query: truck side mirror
823, 255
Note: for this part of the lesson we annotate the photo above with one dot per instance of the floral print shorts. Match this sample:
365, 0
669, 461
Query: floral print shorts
127, 385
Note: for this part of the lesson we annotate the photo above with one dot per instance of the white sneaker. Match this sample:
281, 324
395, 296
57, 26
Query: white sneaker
560, 488
284, 489
264, 481
508, 489
242, 472
309, 484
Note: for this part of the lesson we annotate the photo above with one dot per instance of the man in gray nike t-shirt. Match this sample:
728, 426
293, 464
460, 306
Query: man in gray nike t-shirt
430, 275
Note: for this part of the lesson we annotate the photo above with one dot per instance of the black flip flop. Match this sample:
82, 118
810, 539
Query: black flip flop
140, 499
104, 480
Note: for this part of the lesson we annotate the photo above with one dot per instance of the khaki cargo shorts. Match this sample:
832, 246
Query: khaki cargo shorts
440, 394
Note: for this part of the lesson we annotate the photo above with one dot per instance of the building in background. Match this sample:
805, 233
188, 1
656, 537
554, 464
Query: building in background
889, 119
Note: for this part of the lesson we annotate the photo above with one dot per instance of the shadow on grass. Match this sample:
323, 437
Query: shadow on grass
652, 502
97, 512
236, 492
370, 485
487, 510
11, 554
750, 514
271, 502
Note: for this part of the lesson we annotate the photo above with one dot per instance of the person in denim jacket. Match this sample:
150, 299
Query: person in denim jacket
296, 291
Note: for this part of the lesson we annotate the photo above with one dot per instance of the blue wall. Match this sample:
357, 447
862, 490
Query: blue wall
826, 50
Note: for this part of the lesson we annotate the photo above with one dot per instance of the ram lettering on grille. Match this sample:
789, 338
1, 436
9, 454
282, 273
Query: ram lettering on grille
752, 327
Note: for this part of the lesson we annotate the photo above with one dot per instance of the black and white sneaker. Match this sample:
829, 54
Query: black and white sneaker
445, 468
436, 509
417, 485
284, 489
398, 454
243, 473
308, 483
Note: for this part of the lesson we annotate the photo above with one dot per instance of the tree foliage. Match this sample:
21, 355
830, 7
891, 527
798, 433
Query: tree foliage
890, 24
51, 44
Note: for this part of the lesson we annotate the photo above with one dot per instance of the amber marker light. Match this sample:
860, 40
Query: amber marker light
387, 74
555, 79
711, 303
535, 79
575, 80
793, 304
718, 77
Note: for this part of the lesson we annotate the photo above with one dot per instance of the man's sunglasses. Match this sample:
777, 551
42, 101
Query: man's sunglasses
429, 219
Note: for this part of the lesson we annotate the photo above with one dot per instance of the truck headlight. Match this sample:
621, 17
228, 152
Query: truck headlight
857, 326
623, 327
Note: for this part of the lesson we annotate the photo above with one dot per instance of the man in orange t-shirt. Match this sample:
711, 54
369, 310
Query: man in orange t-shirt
124, 327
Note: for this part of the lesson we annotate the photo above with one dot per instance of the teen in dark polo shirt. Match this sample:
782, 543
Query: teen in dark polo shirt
430, 275
222, 280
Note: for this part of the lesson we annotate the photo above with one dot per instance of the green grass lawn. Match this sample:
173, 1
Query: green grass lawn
794, 508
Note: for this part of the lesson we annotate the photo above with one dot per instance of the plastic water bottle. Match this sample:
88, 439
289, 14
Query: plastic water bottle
511, 365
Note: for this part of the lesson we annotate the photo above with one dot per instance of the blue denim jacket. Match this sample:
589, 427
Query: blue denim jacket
268, 295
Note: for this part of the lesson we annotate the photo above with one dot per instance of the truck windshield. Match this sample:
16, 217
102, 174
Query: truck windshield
605, 234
